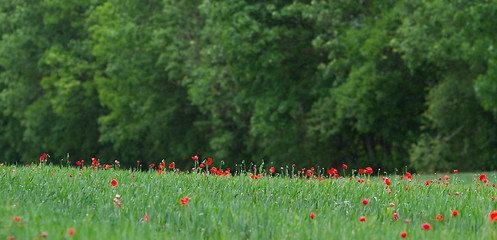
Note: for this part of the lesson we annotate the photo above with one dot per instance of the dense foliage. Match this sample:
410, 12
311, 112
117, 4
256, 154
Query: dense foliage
384, 83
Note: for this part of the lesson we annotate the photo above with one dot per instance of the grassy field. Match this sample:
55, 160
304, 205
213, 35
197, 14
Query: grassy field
72, 203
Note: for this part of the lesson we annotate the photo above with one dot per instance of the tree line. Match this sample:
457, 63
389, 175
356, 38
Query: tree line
386, 84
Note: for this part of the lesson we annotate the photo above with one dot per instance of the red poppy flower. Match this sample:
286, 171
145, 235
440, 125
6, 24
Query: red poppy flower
313, 215
185, 200
369, 170
113, 182
195, 158
44, 234
152, 165
426, 226
392, 205
446, 177
78, 163
209, 161
482, 177
94, 161
171, 165
403, 234
387, 182
202, 165
71, 232
138, 162
395, 216
309, 172
493, 216
145, 217
361, 171
455, 213
365, 201
42, 158
362, 219
17, 219
439, 218
344, 166
456, 171
271, 170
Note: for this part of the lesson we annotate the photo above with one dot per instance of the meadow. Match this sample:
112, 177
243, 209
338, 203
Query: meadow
78, 202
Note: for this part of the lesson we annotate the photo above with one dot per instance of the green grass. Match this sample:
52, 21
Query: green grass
237, 207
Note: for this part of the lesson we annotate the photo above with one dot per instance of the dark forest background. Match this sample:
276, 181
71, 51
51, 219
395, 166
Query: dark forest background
386, 84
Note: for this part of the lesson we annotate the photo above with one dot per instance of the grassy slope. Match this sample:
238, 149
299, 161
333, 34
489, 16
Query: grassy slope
236, 207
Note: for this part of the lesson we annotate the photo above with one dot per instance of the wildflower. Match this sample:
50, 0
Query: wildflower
392, 205
44, 234
202, 165
113, 182
152, 165
332, 171
271, 170
482, 177
403, 234
344, 166
456, 171
365, 201
407, 188
146, 215
94, 161
138, 162
387, 182
369, 170
78, 163
426, 226
309, 172
209, 161
446, 177
313, 215
71, 232
455, 213
407, 220
493, 216
456, 193
195, 158
362, 219
389, 191
17, 219
184, 201
361, 171
171, 165
439, 218
395, 216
